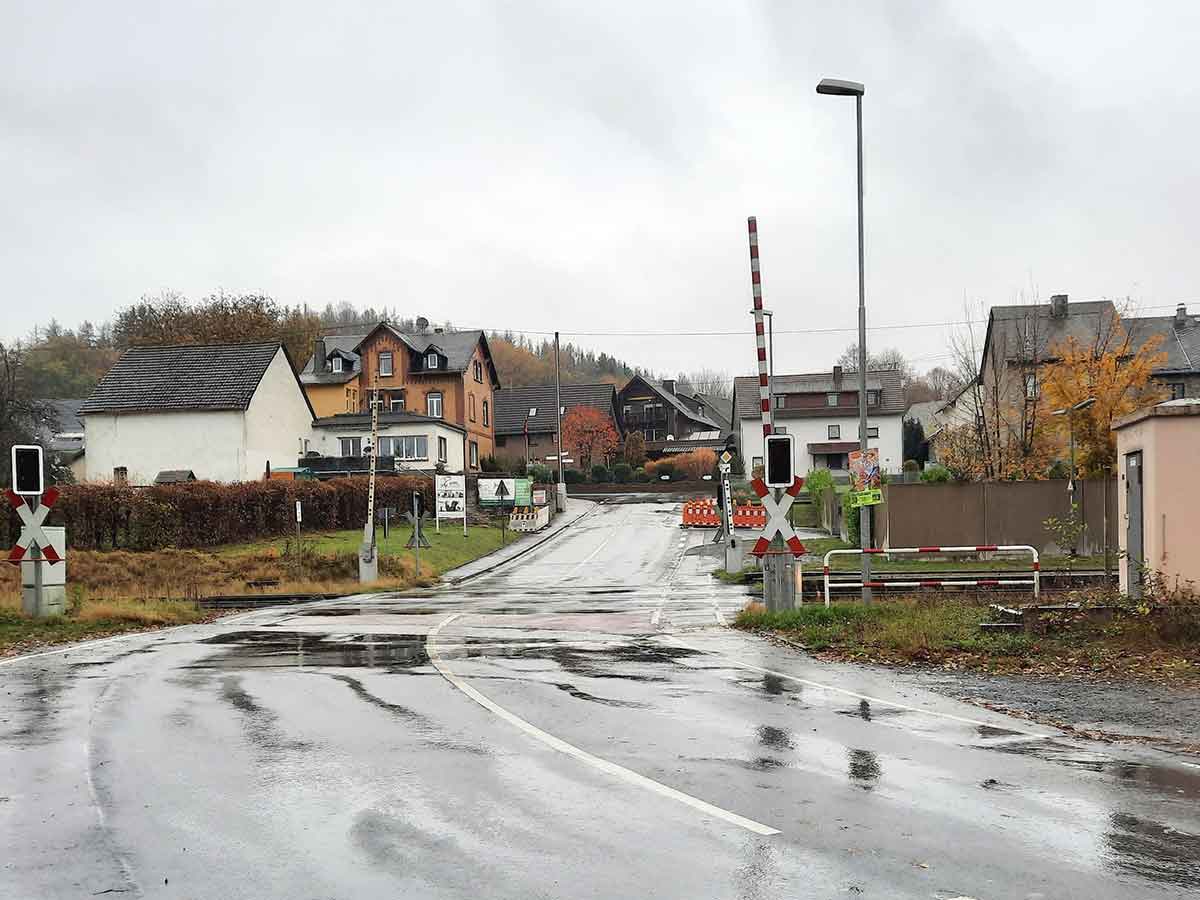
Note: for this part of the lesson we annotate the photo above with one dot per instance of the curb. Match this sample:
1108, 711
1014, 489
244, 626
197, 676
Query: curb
454, 582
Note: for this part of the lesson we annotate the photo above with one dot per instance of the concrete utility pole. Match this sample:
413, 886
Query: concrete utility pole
561, 487
839, 88
368, 556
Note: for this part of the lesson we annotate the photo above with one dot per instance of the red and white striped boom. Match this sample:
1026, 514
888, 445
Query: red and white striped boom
764, 383
1035, 569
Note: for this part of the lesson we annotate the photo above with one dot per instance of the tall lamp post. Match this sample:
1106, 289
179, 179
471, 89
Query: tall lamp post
1068, 412
838, 88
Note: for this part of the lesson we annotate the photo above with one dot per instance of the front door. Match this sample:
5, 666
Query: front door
1133, 523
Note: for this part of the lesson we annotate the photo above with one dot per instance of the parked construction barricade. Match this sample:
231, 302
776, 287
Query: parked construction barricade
529, 518
1035, 578
749, 517
702, 513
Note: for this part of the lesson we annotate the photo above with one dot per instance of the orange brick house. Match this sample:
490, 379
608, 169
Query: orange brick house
442, 374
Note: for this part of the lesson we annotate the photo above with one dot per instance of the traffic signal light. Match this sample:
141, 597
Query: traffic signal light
779, 461
27, 477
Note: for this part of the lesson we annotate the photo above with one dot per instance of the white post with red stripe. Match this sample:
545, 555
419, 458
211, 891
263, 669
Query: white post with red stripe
760, 337
1035, 569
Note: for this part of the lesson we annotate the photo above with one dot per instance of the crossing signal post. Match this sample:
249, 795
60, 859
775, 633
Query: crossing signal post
43, 592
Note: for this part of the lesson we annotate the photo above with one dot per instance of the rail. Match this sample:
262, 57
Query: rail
1035, 569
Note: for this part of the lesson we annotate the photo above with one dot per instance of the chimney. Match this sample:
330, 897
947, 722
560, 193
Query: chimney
1181, 316
669, 385
319, 358
1058, 306
837, 378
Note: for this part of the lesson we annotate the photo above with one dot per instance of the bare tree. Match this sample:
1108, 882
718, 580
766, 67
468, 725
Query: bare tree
709, 381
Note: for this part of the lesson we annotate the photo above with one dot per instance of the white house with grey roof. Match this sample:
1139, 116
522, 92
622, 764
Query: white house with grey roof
820, 411
224, 412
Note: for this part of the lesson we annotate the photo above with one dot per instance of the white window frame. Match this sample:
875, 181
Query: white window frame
486, 417
431, 360
354, 443
872, 432
474, 449
479, 371
443, 449
872, 398
396, 404
832, 398
385, 357
431, 399
532, 412
833, 432
335, 364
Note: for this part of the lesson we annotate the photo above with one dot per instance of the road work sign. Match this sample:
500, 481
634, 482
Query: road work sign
497, 491
777, 520
523, 492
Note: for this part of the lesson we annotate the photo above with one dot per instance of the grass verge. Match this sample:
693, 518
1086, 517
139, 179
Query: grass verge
946, 634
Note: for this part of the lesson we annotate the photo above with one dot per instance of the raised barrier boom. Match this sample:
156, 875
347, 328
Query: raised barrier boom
1035, 569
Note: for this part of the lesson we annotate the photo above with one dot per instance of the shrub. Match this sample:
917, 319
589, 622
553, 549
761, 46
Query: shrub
817, 480
600, 474
542, 474
635, 449
622, 473
695, 464
640, 475
935, 474
656, 469
850, 516
573, 476
489, 464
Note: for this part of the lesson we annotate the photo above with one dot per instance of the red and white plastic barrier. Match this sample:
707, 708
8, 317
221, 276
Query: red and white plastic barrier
1035, 569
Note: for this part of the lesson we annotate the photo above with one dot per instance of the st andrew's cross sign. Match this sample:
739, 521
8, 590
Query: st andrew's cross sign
31, 527
777, 520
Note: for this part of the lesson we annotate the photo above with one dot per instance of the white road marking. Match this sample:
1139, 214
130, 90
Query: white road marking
571, 750
857, 696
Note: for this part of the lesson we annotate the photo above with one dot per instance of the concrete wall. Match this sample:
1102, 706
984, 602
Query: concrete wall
996, 512
211, 444
816, 431
1170, 495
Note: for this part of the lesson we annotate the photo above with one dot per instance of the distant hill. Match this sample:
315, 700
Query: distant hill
521, 361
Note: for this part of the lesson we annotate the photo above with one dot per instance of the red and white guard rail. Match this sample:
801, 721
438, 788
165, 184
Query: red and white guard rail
1035, 569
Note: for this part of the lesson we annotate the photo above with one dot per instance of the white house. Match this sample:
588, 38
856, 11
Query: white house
820, 411
225, 412
411, 441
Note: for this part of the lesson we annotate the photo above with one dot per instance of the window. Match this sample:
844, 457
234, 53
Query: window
835, 432
872, 431
485, 412
443, 450
431, 361
532, 411
779, 404
385, 365
121, 475
1178, 390
872, 398
336, 362
1030, 386
471, 406
831, 399
397, 403
474, 455
479, 371
433, 405
351, 446
349, 400
624, 412
756, 462
406, 447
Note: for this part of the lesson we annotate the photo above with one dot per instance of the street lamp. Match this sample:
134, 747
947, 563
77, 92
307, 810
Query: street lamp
1067, 411
770, 359
838, 88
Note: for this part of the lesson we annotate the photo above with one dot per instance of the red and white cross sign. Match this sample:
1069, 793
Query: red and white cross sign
777, 521
31, 530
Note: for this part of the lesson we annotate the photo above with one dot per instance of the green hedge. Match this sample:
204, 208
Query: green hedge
208, 514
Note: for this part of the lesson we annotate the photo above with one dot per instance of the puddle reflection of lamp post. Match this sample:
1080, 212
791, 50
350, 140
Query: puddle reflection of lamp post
1067, 411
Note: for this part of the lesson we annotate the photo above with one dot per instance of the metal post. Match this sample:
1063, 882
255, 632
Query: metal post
1107, 567
417, 533
1071, 481
299, 569
864, 520
560, 489
39, 600
771, 371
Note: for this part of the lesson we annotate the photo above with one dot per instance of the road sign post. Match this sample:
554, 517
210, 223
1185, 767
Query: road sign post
32, 503
778, 545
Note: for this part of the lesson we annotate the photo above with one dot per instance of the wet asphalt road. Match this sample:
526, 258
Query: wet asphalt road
577, 724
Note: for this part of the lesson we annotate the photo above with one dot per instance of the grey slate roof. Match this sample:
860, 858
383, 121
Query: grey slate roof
886, 381
703, 419
175, 476
1181, 344
512, 405
719, 409
1028, 331
62, 416
191, 377
360, 421
345, 344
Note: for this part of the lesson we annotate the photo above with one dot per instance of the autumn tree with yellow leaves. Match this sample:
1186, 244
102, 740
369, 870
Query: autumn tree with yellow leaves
1114, 369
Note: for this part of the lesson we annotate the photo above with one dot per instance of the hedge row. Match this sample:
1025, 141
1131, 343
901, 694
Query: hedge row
208, 514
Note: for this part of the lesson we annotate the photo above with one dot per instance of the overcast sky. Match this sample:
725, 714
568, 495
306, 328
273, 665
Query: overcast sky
590, 166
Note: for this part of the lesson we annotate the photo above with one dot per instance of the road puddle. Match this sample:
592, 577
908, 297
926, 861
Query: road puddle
287, 650
863, 768
1152, 850
1159, 778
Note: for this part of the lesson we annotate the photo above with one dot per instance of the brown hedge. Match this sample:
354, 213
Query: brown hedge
208, 514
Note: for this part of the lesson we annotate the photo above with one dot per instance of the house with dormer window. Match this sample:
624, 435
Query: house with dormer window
441, 375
